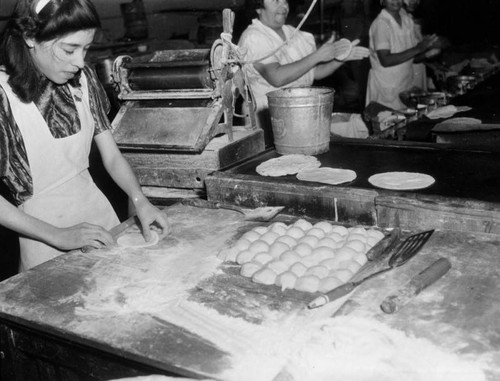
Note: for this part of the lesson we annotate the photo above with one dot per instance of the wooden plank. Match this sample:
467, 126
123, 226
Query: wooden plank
341, 204
45, 357
190, 170
426, 212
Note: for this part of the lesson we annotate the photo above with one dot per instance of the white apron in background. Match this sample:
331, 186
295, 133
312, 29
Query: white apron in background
258, 41
386, 83
64, 193
419, 69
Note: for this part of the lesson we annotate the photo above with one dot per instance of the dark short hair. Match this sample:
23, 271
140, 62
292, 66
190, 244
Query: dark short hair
56, 19
257, 4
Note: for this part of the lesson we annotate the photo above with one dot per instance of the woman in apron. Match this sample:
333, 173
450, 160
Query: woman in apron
51, 108
294, 64
394, 47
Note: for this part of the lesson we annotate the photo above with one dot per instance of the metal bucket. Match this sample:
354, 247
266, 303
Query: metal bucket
300, 119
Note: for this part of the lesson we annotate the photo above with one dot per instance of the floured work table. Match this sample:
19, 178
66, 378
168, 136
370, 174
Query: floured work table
175, 309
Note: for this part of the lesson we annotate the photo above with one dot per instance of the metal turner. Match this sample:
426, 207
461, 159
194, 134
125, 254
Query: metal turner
403, 252
264, 213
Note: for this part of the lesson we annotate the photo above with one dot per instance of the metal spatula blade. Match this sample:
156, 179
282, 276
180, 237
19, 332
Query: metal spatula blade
403, 252
264, 213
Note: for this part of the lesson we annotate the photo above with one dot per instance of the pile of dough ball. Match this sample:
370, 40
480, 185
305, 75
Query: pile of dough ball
303, 256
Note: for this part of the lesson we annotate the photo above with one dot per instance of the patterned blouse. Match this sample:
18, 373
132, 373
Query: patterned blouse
59, 111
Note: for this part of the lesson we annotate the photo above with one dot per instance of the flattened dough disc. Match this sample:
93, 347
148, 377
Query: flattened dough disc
287, 165
327, 175
401, 180
347, 51
136, 239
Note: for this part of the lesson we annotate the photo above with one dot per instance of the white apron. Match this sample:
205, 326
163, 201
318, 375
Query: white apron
386, 83
64, 193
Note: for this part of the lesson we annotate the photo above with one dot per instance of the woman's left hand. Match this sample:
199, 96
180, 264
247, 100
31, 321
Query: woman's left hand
149, 215
357, 52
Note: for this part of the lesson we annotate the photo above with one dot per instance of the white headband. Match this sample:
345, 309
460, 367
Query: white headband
41, 4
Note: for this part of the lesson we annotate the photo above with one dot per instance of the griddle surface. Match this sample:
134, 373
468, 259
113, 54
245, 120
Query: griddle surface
458, 174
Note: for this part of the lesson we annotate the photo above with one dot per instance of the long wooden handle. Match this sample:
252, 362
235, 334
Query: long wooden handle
419, 282
332, 295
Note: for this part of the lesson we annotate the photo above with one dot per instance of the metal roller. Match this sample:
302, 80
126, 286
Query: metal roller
171, 70
170, 77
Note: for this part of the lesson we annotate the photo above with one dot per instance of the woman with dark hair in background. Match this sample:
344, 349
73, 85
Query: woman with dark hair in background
297, 63
51, 108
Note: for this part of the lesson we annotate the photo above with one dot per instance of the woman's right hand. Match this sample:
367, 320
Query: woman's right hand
331, 50
428, 42
82, 235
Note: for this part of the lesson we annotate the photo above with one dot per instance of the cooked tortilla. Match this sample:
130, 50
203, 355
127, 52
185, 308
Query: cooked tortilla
401, 180
333, 176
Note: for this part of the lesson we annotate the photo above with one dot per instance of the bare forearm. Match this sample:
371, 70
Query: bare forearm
392, 59
281, 75
15, 219
326, 69
123, 175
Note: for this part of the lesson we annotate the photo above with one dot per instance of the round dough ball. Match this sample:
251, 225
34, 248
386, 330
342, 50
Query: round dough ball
286, 280
318, 257
303, 224
310, 240
353, 266
290, 257
316, 232
358, 230
242, 244
277, 226
339, 229
249, 269
332, 263
298, 269
309, 260
371, 241
264, 276
327, 242
263, 258
355, 237
325, 226
269, 237
329, 283
334, 236
343, 274
324, 252
251, 236
291, 242
303, 249
278, 248
259, 246
318, 270
260, 230
307, 283
360, 258
358, 246
279, 266
244, 257
375, 234
345, 253
295, 232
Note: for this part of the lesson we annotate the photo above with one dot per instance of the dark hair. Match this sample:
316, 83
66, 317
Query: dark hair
257, 4
56, 19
